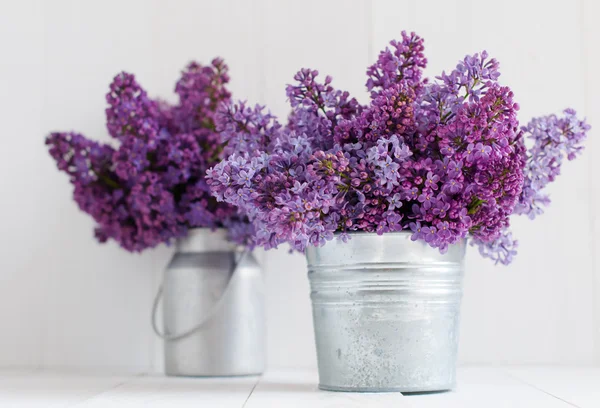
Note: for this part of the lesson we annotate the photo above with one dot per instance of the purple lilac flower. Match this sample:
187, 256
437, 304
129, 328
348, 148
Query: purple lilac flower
417, 230
445, 158
482, 151
403, 63
151, 187
500, 250
394, 201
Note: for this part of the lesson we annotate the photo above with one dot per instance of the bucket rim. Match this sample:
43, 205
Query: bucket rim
405, 232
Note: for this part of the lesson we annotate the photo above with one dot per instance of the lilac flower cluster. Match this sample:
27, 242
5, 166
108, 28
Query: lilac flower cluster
151, 187
554, 138
442, 158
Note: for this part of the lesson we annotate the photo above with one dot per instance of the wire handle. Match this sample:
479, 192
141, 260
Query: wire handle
209, 315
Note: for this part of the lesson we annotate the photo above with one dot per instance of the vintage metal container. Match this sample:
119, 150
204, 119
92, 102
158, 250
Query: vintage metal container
213, 309
386, 313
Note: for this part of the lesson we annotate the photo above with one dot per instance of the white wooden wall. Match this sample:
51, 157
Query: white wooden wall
66, 301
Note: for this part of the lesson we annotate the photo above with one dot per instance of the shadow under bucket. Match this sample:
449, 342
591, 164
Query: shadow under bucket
386, 312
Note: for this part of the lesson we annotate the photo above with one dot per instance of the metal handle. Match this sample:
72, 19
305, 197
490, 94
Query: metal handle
166, 336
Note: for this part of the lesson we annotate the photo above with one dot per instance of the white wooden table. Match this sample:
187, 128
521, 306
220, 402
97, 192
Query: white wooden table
480, 387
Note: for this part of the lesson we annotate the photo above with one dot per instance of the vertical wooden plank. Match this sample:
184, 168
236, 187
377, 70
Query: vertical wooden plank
332, 37
539, 308
591, 39
22, 288
99, 295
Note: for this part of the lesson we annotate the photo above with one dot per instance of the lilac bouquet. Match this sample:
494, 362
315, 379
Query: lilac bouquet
443, 159
151, 188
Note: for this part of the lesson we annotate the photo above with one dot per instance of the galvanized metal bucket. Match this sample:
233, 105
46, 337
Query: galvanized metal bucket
386, 313
213, 309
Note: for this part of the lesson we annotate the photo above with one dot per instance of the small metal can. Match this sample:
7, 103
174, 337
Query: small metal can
213, 308
386, 313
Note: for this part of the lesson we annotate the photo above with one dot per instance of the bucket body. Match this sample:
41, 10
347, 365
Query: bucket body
386, 313
207, 279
